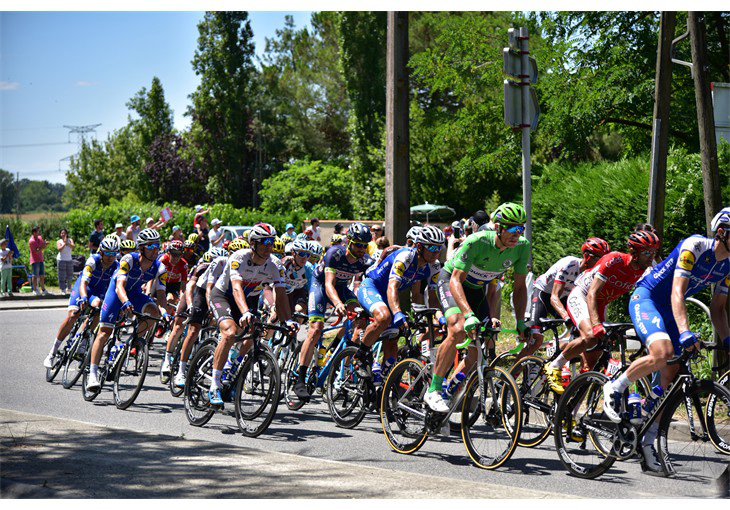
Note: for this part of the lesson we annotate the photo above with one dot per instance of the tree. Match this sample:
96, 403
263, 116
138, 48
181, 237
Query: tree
172, 175
222, 131
155, 116
7, 192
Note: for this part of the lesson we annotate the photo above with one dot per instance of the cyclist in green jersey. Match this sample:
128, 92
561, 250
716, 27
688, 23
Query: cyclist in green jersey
463, 281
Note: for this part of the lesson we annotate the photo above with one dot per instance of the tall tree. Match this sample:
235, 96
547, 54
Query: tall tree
154, 114
172, 174
7, 192
222, 130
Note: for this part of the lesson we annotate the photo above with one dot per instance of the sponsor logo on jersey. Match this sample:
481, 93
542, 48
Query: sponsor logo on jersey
399, 268
163, 278
124, 267
235, 264
507, 263
613, 280
686, 260
87, 271
635, 297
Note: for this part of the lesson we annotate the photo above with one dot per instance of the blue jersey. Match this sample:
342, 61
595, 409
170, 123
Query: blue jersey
96, 277
131, 271
335, 261
694, 259
402, 266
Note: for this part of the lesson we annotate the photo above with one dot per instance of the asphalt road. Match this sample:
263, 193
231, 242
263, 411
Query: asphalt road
26, 336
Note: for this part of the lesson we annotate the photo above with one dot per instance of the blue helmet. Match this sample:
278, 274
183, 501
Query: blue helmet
360, 233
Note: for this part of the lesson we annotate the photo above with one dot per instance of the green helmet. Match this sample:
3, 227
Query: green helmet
510, 212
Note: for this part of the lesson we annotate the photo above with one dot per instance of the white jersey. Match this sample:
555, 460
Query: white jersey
294, 278
215, 269
565, 271
240, 267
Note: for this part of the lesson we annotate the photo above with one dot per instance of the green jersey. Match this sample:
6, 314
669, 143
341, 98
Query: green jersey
480, 258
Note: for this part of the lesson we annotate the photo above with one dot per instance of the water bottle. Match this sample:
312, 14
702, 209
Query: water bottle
230, 368
566, 374
377, 373
113, 353
453, 386
387, 366
327, 358
654, 394
320, 356
634, 408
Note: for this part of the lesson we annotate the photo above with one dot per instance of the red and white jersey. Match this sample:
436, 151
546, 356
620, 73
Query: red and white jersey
564, 271
176, 273
616, 271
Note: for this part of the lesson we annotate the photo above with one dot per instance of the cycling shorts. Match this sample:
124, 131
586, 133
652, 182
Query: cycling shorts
578, 308
476, 298
541, 307
225, 308
200, 306
173, 288
318, 299
370, 298
112, 304
296, 297
653, 321
95, 295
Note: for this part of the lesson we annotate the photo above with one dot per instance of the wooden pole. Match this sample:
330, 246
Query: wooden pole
397, 176
660, 133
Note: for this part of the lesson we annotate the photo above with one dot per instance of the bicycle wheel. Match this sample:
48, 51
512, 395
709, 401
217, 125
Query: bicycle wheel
579, 416
538, 401
689, 446
492, 437
58, 361
75, 361
505, 361
91, 395
345, 390
257, 393
402, 409
130, 372
289, 377
175, 367
197, 383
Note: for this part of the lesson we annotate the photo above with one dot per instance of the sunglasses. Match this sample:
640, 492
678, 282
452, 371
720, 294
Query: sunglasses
267, 241
517, 229
153, 246
303, 254
359, 245
109, 253
433, 248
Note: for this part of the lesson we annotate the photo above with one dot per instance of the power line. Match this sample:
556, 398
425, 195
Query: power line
15, 146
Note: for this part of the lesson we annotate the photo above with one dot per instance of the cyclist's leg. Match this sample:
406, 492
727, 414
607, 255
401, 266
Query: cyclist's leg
227, 315
370, 298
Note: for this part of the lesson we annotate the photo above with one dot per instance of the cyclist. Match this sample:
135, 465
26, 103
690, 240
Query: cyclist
88, 290
462, 284
550, 294
127, 246
378, 293
659, 313
614, 275
235, 296
295, 273
177, 277
329, 285
125, 294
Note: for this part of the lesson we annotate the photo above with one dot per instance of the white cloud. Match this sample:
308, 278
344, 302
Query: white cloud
9, 85
82, 83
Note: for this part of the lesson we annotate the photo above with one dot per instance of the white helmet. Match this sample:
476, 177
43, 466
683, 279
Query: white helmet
148, 236
430, 235
413, 233
315, 248
261, 231
721, 219
218, 252
299, 245
109, 244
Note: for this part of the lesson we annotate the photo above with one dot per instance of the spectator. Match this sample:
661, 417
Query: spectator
381, 243
289, 235
6, 269
202, 229
37, 245
118, 230
177, 234
481, 220
338, 228
308, 234
64, 262
96, 236
133, 229
316, 233
216, 235
377, 231
199, 213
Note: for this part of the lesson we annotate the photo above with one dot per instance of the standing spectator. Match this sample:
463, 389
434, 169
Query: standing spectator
202, 229
177, 234
377, 231
150, 223
37, 245
64, 262
216, 235
96, 236
316, 234
6, 269
134, 228
118, 230
338, 228
289, 235
199, 213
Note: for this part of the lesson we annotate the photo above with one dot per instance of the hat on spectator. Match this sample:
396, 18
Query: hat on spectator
198, 208
480, 217
216, 222
118, 225
134, 218
149, 219
288, 226
3, 241
175, 228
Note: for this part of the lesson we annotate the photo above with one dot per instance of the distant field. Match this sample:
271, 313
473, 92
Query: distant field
34, 216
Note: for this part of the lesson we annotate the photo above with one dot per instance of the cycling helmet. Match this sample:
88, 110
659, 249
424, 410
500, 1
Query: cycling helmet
430, 235
175, 246
207, 256
225, 244
261, 231
189, 245
315, 248
303, 237
360, 233
109, 244
279, 245
128, 244
112, 236
413, 233
595, 246
287, 249
644, 240
148, 236
194, 238
336, 238
299, 246
214, 253
721, 219
510, 212
237, 244
245, 234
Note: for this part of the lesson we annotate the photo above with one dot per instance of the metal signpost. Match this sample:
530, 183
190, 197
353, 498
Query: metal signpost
521, 109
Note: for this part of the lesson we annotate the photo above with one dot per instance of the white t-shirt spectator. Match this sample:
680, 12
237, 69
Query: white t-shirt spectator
316, 234
216, 238
5, 265
64, 253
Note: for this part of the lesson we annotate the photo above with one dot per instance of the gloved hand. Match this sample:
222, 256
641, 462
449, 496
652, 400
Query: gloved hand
599, 331
246, 319
82, 301
471, 323
167, 317
126, 308
292, 325
442, 321
688, 339
400, 319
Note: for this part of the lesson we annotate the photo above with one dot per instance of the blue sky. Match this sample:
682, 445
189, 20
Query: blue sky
80, 68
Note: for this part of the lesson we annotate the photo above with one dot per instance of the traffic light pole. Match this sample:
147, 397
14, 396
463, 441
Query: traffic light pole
526, 125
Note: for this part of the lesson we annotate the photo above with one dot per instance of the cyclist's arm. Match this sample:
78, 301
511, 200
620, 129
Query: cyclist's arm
457, 290
679, 309
393, 298
122, 290
718, 314
555, 299
592, 300
519, 296
162, 301
494, 292
189, 288
282, 304
84, 289
239, 296
329, 287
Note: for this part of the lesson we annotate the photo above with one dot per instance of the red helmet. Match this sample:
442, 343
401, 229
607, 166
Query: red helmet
175, 246
595, 246
644, 240
225, 245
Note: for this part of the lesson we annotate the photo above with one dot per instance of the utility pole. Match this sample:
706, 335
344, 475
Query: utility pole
397, 177
17, 196
660, 131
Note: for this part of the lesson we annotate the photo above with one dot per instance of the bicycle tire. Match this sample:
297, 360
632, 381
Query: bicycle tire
289, 377
720, 435
74, 367
175, 367
58, 363
584, 393
695, 454
91, 395
539, 402
345, 391
259, 377
500, 414
130, 373
403, 393
505, 361
197, 383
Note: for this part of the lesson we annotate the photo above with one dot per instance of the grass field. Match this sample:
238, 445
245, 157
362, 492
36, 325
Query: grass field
28, 217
